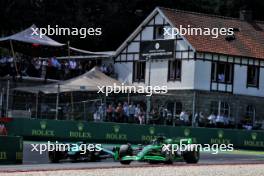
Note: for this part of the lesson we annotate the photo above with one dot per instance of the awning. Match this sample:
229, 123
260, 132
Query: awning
26, 36
28, 43
86, 82
33, 45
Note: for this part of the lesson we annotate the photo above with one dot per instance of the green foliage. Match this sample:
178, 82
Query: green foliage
118, 18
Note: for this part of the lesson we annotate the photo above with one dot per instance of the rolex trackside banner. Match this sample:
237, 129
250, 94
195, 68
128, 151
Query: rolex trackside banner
40, 129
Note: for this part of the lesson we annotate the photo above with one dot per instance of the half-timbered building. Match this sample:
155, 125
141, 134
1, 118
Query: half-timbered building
223, 75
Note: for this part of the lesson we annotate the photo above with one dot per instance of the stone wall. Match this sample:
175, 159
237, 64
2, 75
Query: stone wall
238, 104
203, 100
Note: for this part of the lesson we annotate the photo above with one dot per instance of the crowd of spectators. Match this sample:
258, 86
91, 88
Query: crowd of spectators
7, 66
51, 68
136, 113
121, 112
214, 120
124, 112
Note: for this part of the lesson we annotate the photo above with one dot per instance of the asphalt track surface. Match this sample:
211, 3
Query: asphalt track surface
33, 161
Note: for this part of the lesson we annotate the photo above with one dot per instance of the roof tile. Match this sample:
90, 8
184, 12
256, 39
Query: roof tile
249, 40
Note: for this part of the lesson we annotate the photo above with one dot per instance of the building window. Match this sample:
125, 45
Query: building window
178, 108
214, 107
158, 32
174, 70
214, 72
224, 109
139, 69
174, 108
250, 114
170, 109
253, 76
220, 108
222, 72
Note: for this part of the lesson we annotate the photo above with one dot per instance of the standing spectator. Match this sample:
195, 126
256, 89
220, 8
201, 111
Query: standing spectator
109, 113
162, 113
126, 112
226, 120
88, 66
131, 111
196, 119
202, 120
80, 68
220, 121
101, 111
155, 116
3, 130
137, 112
44, 68
212, 119
55, 63
62, 72
110, 69
12, 69
56, 66
119, 113
67, 70
103, 69
37, 64
96, 115
141, 117
72, 66
184, 118
221, 77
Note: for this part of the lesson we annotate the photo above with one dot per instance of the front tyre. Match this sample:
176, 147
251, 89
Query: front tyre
54, 157
91, 156
191, 157
125, 150
169, 158
126, 162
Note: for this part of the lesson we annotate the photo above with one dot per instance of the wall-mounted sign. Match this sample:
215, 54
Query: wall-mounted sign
157, 49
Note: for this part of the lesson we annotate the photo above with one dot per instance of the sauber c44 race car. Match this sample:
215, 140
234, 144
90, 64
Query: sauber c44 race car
159, 150
78, 152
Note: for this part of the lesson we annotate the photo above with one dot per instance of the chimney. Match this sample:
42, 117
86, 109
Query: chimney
245, 15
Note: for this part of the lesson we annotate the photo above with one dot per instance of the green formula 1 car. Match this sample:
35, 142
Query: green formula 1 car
77, 152
160, 150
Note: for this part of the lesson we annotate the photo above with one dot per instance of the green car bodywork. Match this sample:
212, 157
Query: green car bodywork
75, 152
154, 153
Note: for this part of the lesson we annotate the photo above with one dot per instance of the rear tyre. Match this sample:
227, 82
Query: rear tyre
168, 161
153, 162
192, 156
125, 150
91, 157
169, 157
127, 162
54, 157
74, 158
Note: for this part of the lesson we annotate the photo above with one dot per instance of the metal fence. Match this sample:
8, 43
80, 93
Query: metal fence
90, 106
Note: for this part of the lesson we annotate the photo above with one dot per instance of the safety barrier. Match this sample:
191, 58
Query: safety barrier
11, 150
38, 129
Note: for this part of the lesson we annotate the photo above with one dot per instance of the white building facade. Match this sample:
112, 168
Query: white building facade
199, 80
